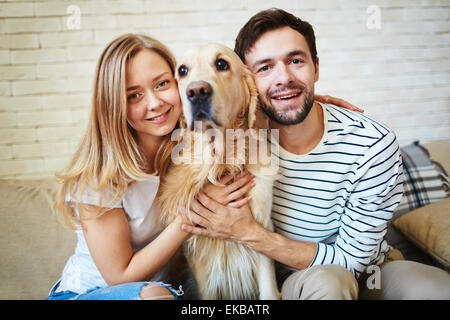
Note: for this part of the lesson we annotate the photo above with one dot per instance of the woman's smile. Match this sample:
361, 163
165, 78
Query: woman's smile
160, 118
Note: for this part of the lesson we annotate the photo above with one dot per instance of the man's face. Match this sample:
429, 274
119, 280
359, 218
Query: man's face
284, 72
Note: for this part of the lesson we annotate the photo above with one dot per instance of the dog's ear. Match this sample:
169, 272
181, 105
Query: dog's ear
252, 98
182, 122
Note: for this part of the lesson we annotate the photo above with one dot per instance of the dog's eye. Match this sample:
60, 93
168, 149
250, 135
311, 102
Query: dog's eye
182, 71
222, 65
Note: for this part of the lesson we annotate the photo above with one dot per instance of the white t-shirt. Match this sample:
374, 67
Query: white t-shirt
80, 273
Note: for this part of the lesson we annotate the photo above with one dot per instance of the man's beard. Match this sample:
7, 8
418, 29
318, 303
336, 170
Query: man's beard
286, 116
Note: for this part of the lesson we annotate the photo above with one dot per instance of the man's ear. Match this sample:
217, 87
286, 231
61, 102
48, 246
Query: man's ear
316, 65
252, 97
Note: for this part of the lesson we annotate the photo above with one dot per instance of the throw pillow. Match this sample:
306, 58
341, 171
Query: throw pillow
429, 229
422, 183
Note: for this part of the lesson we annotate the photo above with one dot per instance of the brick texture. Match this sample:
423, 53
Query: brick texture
399, 73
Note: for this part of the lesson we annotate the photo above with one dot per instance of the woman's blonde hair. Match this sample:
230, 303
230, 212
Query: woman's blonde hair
108, 157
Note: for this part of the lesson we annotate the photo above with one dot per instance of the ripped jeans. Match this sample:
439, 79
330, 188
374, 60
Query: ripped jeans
125, 291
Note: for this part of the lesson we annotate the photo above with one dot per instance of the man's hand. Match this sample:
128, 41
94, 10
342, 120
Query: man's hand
232, 195
337, 101
215, 220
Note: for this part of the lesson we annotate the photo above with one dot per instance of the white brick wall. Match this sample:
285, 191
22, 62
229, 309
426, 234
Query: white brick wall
400, 74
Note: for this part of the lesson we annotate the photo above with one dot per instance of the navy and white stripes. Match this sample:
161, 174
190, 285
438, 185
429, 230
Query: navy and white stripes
341, 194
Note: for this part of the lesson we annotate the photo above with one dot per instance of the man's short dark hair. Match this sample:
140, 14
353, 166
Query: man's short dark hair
268, 20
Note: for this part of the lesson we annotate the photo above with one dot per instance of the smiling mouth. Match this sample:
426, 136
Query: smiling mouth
160, 117
286, 96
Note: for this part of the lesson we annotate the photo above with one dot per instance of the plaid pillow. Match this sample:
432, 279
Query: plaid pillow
423, 181
443, 175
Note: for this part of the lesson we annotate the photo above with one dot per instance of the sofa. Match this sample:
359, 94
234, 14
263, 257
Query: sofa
34, 246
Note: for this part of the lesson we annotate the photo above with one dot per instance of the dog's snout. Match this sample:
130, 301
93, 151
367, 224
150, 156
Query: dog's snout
199, 90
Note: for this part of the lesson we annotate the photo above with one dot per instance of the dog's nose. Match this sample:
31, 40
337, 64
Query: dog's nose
198, 91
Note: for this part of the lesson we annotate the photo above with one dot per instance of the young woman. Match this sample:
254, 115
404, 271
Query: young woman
109, 186
107, 190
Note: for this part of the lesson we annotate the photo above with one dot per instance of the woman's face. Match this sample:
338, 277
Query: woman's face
153, 102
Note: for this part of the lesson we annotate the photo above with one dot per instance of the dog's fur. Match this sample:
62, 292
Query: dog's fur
222, 269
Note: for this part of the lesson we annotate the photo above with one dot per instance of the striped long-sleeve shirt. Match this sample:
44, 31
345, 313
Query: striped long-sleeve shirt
342, 194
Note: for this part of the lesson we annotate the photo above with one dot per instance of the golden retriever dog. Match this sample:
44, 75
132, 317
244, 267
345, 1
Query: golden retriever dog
219, 94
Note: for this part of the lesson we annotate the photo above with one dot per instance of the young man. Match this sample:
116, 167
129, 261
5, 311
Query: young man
341, 180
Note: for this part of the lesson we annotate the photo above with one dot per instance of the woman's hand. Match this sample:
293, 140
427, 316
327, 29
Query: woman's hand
337, 101
232, 195
215, 220
221, 212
